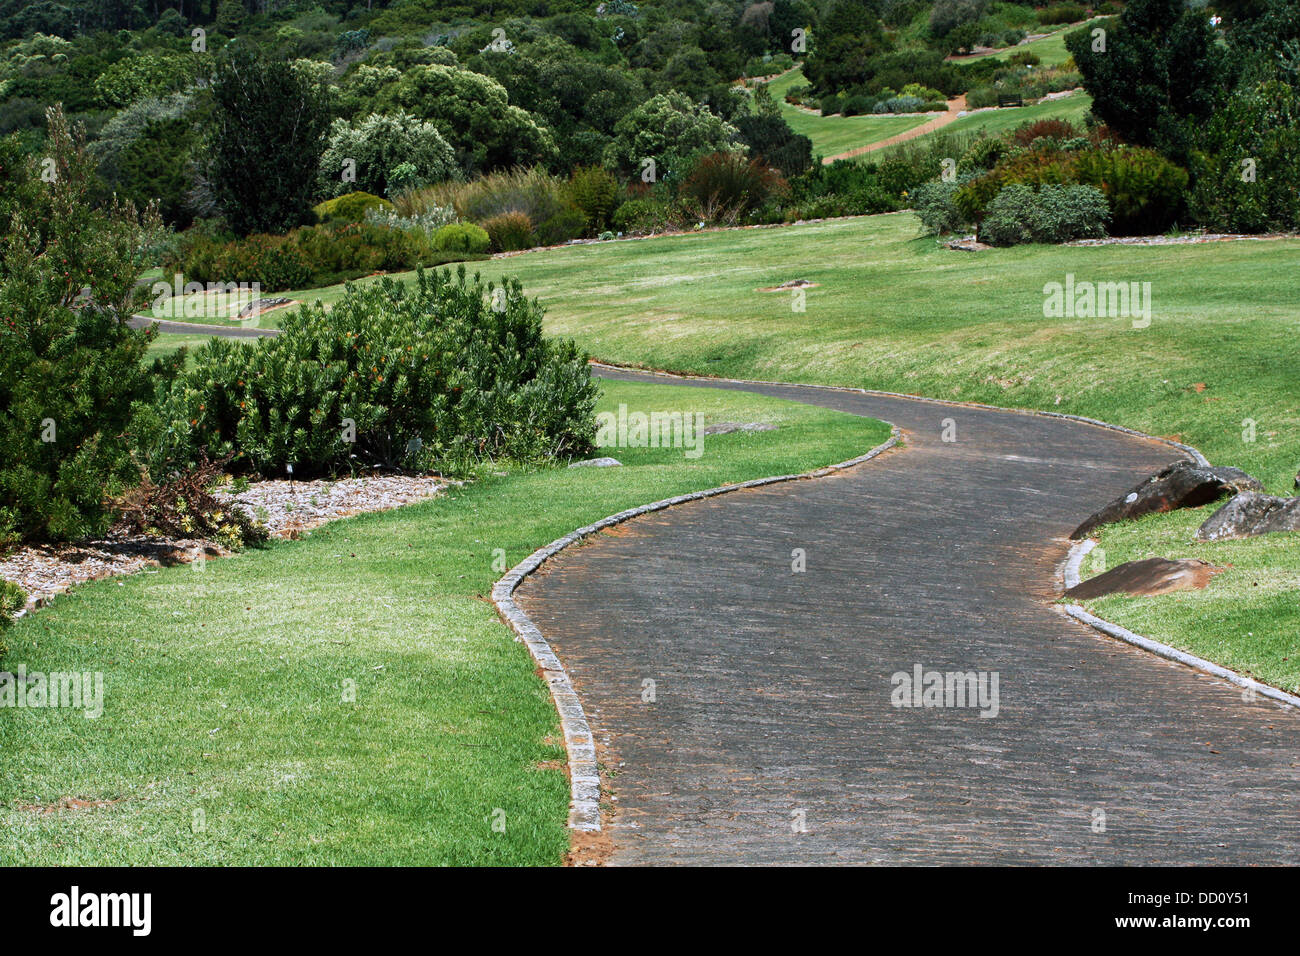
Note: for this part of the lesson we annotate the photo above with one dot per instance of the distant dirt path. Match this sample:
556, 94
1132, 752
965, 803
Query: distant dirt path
955, 106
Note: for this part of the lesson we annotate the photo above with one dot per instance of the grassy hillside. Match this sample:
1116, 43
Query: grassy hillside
832, 135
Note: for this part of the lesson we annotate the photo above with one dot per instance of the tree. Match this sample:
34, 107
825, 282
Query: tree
473, 113
267, 137
70, 370
378, 145
669, 129
1159, 67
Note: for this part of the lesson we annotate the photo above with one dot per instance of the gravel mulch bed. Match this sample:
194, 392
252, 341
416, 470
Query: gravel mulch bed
288, 509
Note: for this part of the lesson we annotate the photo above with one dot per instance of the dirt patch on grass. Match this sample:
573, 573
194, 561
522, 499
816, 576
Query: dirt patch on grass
68, 803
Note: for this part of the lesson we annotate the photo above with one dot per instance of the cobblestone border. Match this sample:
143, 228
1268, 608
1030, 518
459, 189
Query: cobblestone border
584, 774
1070, 575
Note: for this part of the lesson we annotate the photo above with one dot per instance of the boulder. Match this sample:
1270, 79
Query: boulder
596, 463
1250, 514
1184, 484
1150, 576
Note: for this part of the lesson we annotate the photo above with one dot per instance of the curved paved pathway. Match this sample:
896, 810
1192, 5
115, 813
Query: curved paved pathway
772, 688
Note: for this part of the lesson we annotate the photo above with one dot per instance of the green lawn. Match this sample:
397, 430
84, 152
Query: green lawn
832, 135
225, 736
894, 310
995, 121
1247, 619
1050, 49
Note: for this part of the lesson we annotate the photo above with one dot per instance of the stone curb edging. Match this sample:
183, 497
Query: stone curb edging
584, 774
1188, 450
1078, 551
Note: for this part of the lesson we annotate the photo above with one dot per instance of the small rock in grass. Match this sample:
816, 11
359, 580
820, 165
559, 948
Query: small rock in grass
1150, 576
1251, 514
596, 463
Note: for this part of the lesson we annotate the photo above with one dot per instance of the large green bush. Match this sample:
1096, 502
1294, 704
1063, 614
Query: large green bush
1244, 159
1145, 190
376, 147
462, 237
1053, 214
69, 368
437, 375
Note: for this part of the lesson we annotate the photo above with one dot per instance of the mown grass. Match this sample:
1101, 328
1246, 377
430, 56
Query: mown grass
226, 737
832, 135
894, 310
1247, 619
1050, 49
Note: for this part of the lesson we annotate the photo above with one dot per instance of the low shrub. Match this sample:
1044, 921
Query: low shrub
594, 191
510, 232
568, 223
12, 600
1020, 214
461, 237
1145, 190
306, 257
1027, 133
934, 206
1061, 13
350, 207
981, 97
641, 215
438, 375
182, 505
723, 187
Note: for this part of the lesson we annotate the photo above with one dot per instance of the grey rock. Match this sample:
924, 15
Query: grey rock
596, 463
261, 305
725, 428
1184, 484
1251, 514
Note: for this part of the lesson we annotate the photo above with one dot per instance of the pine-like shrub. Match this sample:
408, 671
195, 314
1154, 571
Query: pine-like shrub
70, 370
434, 376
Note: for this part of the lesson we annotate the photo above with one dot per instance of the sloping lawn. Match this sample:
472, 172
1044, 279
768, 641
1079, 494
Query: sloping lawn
352, 697
832, 135
893, 310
